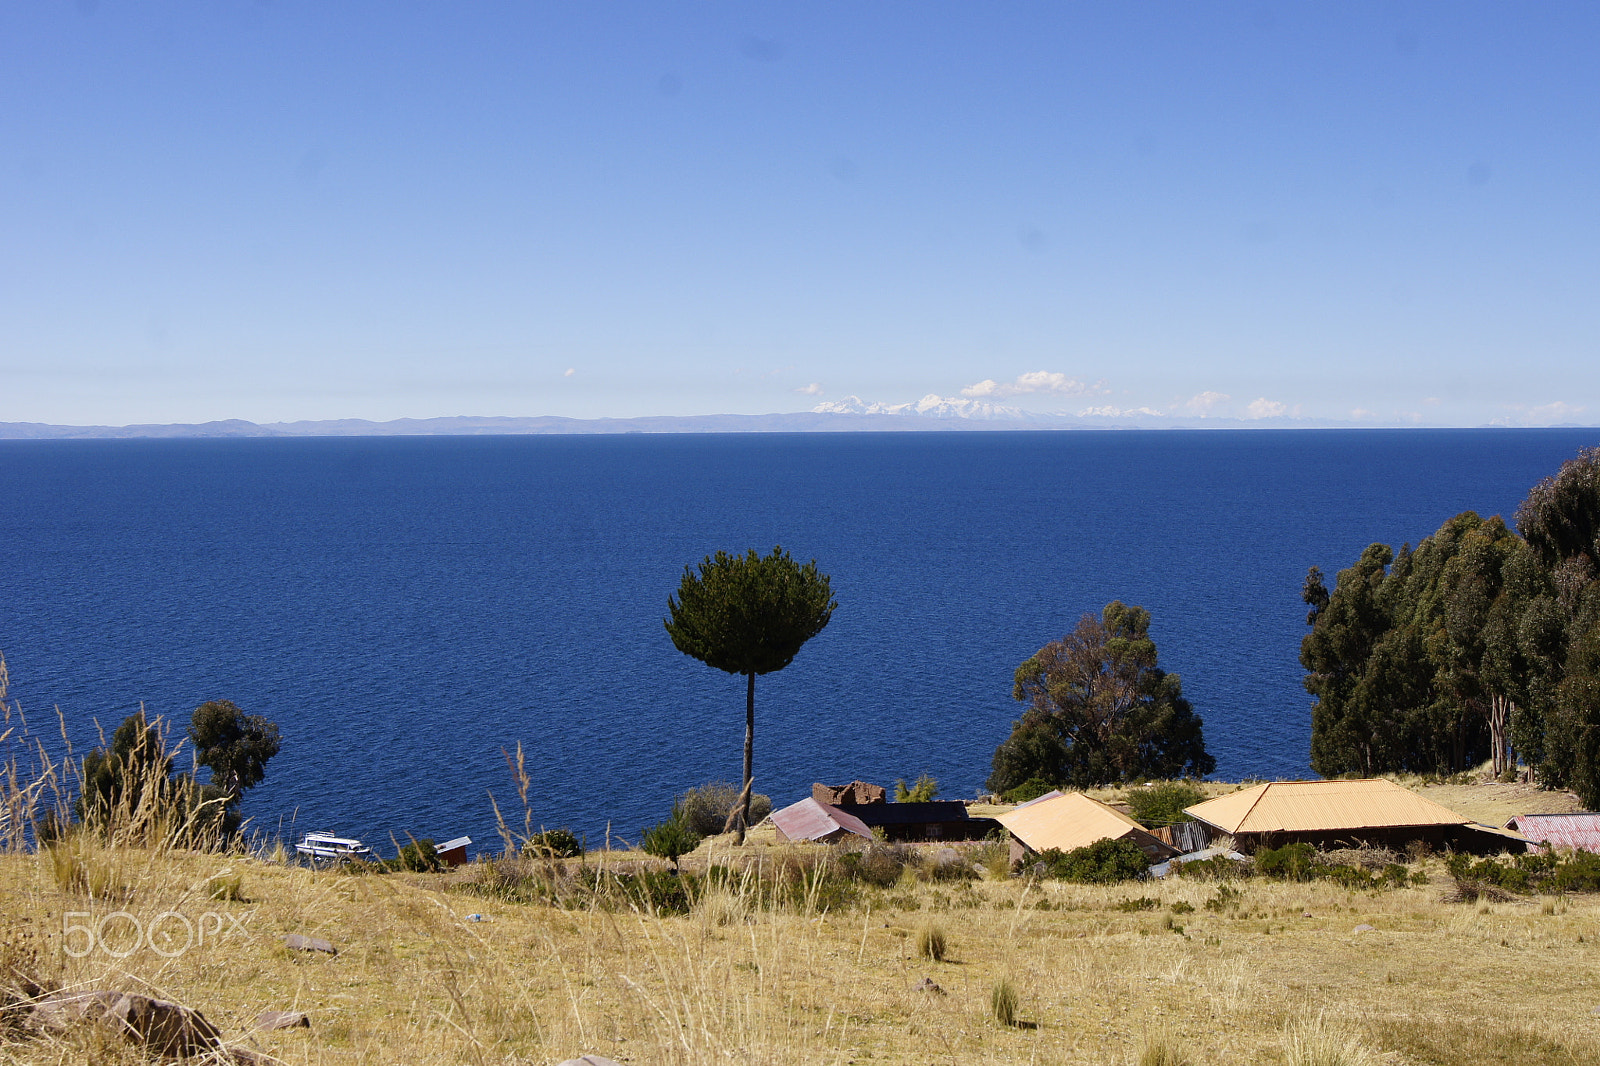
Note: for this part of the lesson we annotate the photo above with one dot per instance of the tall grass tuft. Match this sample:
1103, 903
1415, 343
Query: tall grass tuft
1315, 1041
1162, 1049
931, 942
1003, 1002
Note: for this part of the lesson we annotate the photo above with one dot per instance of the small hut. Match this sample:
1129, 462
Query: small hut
821, 823
1067, 820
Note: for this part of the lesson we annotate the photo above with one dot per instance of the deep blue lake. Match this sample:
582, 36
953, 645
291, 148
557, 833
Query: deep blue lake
406, 607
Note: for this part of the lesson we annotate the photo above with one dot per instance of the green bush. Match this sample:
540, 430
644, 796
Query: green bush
1031, 789
1292, 862
670, 839
1162, 803
706, 808
554, 844
923, 790
1530, 872
1101, 863
1216, 868
419, 856
876, 864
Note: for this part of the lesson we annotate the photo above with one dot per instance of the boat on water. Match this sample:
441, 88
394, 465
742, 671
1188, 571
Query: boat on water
326, 847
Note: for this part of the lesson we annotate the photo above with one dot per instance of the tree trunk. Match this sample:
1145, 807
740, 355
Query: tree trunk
749, 750
1499, 720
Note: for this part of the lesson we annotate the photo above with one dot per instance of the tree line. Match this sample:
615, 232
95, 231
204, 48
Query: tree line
1479, 644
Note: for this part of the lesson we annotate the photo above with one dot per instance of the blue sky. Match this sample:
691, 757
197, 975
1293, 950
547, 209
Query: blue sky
274, 211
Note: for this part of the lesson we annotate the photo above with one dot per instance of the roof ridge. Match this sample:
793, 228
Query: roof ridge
1252, 808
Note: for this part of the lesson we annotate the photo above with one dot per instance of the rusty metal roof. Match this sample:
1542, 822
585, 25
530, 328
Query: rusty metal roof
1580, 831
1311, 806
810, 820
1066, 821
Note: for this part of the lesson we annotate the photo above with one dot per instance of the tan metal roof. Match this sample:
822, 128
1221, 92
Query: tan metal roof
1309, 806
1067, 821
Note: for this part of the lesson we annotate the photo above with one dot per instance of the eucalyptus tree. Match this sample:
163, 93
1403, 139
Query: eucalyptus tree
1100, 710
1560, 520
748, 614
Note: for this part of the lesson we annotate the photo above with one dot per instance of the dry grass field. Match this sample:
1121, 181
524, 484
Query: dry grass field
1279, 974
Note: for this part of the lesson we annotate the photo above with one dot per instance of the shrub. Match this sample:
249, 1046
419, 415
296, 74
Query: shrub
1292, 862
931, 943
1162, 803
419, 856
1101, 863
876, 864
670, 839
655, 891
923, 790
706, 808
1031, 789
1216, 868
1143, 903
1003, 1002
1528, 872
554, 844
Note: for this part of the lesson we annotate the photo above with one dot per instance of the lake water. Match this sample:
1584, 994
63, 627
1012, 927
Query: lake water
405, 608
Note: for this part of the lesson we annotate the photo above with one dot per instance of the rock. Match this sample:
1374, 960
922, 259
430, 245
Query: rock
1307, 914
927, 985
283, 1019
296, 942
855, 794
590, 1060
166, 1028
1365, 928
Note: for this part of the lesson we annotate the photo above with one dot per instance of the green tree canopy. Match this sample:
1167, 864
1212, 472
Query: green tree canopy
1100, 710
130, 791
1480, 643
749, 614
235, 746
1415, 659
1560, 631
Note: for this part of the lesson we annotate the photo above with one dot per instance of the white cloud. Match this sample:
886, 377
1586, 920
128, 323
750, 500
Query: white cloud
1550, 413
1361, 414
813, 389
1206, 402
1036, 381
1431, 401
570, 371
1265, 408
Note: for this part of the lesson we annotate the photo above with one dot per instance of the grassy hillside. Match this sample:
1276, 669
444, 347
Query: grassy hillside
778, 966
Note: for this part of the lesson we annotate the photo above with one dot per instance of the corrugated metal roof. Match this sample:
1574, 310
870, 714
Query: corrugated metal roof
1311, 806
1580, 831
810, 820
1066, 821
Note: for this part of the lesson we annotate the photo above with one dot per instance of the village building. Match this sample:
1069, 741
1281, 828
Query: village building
1337, 814
821, 823
1067, 820
1578, 832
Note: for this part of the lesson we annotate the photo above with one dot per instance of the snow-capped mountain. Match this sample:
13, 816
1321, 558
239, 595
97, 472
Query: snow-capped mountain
930, 406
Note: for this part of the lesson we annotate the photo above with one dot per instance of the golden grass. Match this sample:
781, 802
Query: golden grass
417, 981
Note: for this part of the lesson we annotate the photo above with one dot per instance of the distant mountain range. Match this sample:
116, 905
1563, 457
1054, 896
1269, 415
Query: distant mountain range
850, 415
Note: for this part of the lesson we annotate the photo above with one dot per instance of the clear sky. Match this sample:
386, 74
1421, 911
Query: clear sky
285, 210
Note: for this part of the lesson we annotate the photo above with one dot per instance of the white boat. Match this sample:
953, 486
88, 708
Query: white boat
326, 847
